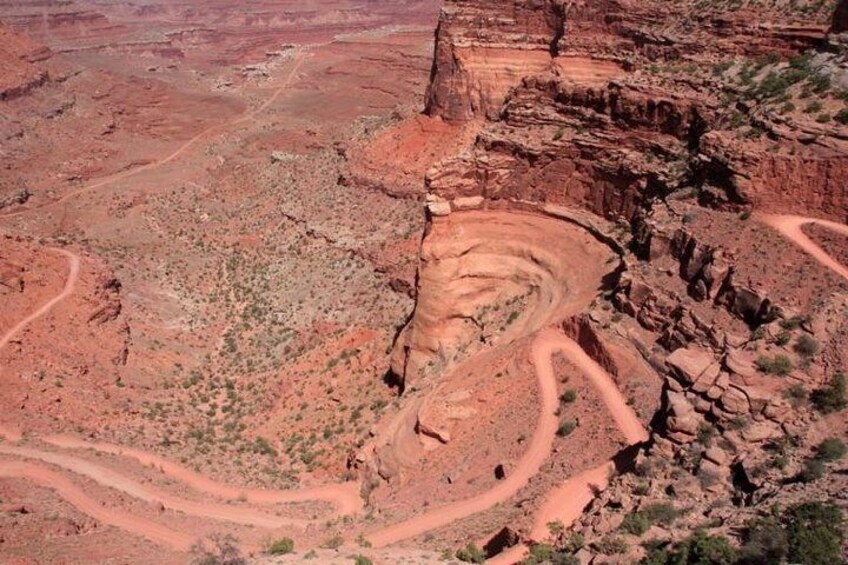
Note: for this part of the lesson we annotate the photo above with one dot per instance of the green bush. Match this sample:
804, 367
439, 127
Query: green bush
796, 394
775, 365
831, 398
661, 513
612, 545
471, 554
831, 449
281, 547
808, 533
765, 541
636, 523
566, 427
813, 107
543, 553
806, 346
362, 560
569, 396
700, 549
815, 533
842, 116
813, 470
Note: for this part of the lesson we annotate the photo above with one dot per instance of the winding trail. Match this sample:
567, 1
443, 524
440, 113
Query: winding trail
112, 479
299, 58
344, 496
566, 500
791, 228
84, 503
70, 284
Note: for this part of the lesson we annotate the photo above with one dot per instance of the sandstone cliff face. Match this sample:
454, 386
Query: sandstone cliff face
648, 115
483, 49
634, 106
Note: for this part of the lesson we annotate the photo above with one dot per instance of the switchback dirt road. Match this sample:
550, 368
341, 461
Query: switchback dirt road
791, 228
70, 284
568, 499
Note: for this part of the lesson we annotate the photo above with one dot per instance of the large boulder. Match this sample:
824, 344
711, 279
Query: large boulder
690, 363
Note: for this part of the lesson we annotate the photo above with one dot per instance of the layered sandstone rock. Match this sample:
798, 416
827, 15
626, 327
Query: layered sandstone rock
19, 64
489, 277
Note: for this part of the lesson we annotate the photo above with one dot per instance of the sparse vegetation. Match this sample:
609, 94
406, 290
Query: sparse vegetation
566, 427
471, 554
831, 398
218, 550
700, 549
831, 449
808, 534
281, 546
568, 396
775, 365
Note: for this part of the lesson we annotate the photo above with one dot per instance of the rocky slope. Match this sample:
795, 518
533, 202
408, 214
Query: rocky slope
679, 124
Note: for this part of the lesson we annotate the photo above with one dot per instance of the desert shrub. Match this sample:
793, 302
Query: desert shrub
796, 395
569, 396
566, 427
700, 549
612, 545
813, 470
765, 541
222, 551
334, 542
831, 449
722, 67
842, 116
281, 547
636, 523
820, 83
661, 513
787, 107
362, 560
815, 533
775, 365
813, 107
706, 433
544, 553
774, 84
823, 118
574, 543
263, 447
830, 398
540, 553
471, 554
